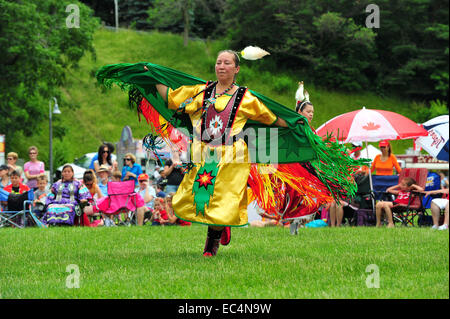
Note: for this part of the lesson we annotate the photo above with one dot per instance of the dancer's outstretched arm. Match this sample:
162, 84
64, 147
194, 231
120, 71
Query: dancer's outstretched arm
162, 90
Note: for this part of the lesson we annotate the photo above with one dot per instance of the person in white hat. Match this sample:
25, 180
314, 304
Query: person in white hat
156, 174
103, 174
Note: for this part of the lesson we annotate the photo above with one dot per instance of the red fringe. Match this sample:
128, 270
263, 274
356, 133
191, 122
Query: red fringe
168, 133
287, 190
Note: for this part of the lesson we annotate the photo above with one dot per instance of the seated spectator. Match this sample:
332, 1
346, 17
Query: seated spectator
33, 168
384, 163
104, 204
12, 158
131, 170
103, 175
402, 192
444, 179
438, 204
64, 198
116, 176
40, 196
4, 176
90, 181
16, 186
146, 191
160, 191
336, 213
159, 216
95, 157
173, 219
104, 158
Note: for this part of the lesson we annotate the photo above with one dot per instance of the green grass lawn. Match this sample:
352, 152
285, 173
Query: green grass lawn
167, 263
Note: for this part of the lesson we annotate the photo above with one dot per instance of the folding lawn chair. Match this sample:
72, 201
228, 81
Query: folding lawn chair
19, 210
405, 214
362, 203
121, 199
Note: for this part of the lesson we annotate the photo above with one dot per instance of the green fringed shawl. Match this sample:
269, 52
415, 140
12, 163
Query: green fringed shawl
296, 143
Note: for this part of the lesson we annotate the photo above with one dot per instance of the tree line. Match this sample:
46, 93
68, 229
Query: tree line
329, 41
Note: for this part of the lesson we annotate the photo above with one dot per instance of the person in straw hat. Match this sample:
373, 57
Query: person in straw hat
104, 175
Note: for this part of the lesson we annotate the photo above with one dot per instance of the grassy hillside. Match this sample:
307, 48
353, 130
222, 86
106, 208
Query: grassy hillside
91, 115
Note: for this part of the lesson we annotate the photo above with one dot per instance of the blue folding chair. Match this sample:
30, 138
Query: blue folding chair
19, 207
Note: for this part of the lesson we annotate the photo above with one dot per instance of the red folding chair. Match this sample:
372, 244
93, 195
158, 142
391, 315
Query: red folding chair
405, 214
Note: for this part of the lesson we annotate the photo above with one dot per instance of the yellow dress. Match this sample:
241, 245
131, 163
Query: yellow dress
227, 204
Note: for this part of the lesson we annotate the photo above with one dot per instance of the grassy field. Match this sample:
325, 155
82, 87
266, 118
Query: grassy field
166, 263
90, 115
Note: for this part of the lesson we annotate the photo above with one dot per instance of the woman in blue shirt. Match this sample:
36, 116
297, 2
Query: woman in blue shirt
130, 169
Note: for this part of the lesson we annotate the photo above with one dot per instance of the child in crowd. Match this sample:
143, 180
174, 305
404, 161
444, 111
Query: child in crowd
159, 216
116, 176
160, 191
402, 192
16, 186
40, 196
90, 181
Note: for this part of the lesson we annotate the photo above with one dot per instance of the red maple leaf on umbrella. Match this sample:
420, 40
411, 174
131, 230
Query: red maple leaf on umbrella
371, 126
205, 179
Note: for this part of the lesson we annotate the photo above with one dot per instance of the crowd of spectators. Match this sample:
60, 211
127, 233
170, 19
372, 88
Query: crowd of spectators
156, 188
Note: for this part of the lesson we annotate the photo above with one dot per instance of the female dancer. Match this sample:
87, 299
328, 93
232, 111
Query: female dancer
214, 188
218, 189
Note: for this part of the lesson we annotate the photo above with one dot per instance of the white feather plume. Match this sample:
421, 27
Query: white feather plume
253, 53
306, 96
299, 94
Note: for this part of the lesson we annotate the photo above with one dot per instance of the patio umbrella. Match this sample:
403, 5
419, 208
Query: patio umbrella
368, 125
436, 143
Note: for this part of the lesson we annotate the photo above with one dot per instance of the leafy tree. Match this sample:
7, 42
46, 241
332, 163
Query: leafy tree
328, 41
342, 52
412, 44
36, 46
190, 17
328, 47
134, 13
172, 15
